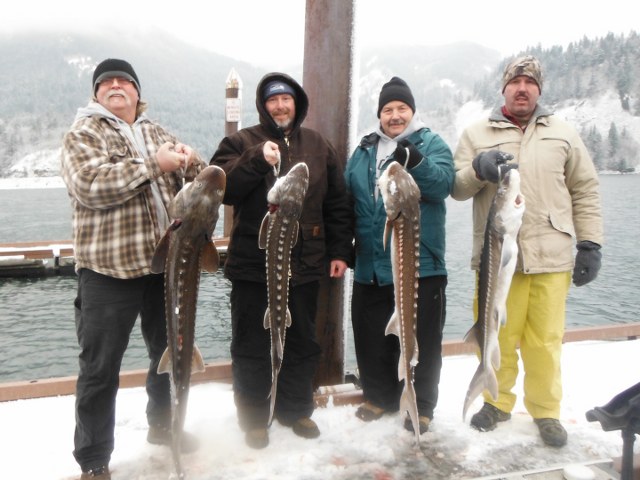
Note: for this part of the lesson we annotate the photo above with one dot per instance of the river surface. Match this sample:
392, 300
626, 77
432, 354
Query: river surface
37, 335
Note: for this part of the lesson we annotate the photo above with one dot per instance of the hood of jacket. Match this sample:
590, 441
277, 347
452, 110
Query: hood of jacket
302, 104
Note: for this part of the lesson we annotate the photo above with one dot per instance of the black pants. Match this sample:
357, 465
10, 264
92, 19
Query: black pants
251, 355
106, 309
378, 354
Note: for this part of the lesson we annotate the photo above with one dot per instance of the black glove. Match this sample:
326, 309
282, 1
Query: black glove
486, 164
400, 154
588, 261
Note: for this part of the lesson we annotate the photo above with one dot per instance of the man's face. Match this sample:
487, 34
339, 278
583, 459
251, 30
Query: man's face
282, 108
119, 96
395, 117
521, 96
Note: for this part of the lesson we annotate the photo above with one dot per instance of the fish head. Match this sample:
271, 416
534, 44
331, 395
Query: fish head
288, 193
202, 197
509, 200
399, 191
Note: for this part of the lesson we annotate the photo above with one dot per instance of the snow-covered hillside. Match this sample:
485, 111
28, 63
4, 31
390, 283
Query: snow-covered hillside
583, 114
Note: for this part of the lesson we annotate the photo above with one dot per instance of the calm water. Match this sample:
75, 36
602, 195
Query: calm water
37, 336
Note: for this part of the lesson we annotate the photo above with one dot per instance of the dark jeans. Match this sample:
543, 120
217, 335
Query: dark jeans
251, 355
378, 354
106, 309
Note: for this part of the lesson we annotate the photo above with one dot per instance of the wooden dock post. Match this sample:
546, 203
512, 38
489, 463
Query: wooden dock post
327, 77
232, 121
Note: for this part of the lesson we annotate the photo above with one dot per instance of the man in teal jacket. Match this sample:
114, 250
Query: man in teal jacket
401, 136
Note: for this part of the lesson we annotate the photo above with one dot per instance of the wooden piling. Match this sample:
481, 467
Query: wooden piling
232, 122
327, 76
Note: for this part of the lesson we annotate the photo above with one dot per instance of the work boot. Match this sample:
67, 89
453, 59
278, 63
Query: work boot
423, 423
162, 436
551, 431
98, 473
257, 438
487, 418
303, 427
368, 412
306, 428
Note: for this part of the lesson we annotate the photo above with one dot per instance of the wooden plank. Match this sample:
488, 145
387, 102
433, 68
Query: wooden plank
623, 331
37, 250
62, 248
627, 331
221, 371
51, 387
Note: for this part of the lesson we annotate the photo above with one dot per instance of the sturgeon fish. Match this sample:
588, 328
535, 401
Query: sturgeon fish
401, 197
278, 235
497, 264
184, 250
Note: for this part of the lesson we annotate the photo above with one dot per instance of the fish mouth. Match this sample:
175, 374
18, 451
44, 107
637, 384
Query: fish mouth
519, 201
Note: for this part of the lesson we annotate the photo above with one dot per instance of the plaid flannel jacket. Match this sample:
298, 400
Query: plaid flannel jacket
115, 220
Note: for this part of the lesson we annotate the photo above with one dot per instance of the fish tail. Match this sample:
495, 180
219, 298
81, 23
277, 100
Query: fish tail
475, 388
416, 352
493, 348
408, 404
197, 362
483, 378
175, 453
393, 327
287, 321
164, 366
267, 319
279, 348
472, 335
272, 394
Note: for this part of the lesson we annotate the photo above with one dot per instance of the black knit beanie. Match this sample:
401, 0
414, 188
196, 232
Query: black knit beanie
113, 67
396, 89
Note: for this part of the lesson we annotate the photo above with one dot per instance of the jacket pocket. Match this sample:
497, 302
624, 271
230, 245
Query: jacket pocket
562, 223
311, 249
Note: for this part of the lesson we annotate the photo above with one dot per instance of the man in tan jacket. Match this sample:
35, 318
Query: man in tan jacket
560, 185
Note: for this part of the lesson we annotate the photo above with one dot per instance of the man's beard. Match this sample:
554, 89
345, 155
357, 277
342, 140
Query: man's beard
284, 124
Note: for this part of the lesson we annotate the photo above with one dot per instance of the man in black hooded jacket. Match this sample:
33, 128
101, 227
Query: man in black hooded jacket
324, 244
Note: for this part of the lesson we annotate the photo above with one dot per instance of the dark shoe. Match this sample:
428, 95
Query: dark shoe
303, 427
369, 412
487, 418
551, 431
423, 423
257, 438
162, 436
100, 473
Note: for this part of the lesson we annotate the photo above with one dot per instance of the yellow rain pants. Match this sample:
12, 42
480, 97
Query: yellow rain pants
535, 323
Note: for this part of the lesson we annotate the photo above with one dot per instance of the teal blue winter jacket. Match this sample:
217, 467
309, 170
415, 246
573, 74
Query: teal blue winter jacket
434, 176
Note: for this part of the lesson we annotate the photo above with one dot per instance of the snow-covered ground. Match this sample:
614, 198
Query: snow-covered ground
37, 437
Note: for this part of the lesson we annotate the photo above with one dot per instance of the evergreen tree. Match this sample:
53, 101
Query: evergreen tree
614, 145
593, 141
627, 152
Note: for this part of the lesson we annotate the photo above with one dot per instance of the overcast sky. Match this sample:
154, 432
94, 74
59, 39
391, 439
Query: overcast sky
270, 33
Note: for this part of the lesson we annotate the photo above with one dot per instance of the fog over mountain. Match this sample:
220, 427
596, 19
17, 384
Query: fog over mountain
44, 78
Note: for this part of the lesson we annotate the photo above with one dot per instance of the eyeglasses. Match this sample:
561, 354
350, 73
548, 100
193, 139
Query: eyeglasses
119, 80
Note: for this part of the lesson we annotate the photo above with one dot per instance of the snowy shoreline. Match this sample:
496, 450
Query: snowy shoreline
12, 183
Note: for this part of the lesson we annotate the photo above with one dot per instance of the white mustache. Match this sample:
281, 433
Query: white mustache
113, 92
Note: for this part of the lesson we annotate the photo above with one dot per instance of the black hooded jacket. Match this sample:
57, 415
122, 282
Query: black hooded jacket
325, 225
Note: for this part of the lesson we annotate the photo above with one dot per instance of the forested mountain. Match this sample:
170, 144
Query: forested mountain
44, 78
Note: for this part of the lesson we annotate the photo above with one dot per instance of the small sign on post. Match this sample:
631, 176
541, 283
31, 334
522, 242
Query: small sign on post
233, 110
